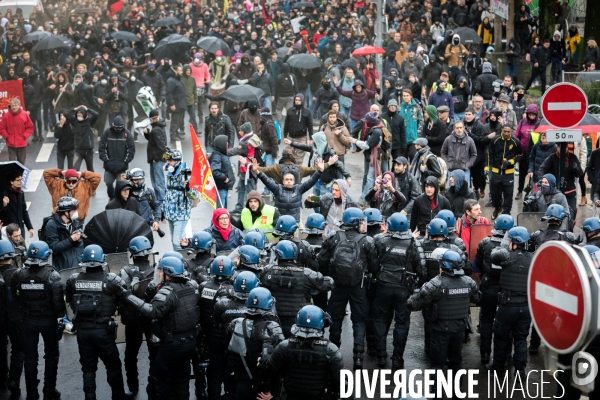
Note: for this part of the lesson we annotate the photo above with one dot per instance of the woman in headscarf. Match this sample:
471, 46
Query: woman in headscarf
332, 205
227, 237
384, 196
435, 130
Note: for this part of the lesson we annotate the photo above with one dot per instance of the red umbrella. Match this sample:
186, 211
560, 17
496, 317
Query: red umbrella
368, 50
589, 124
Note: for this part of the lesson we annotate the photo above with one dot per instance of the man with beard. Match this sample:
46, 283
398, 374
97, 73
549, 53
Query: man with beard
257, 214
424, 164
252, 115
475, 130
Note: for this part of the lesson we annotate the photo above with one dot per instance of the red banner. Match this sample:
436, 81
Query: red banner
202, 179
10, 90
265, 14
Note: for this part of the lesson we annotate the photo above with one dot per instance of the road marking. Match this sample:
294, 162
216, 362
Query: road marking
188, 229
28, 203
556, 298
566, 106
178, 145
35, 176
45, 153
50, 134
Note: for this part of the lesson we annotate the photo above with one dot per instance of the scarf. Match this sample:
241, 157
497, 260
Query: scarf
218, 70
307, 44
215, 221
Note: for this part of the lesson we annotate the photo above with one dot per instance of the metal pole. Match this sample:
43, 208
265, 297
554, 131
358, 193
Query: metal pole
561, 170
379, 41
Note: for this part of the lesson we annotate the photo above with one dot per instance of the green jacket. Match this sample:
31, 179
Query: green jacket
189, 83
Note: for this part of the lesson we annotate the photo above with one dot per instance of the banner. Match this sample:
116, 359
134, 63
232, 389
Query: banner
202, 179
8, 91
500, 8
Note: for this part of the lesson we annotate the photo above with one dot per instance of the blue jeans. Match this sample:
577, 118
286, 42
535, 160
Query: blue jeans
512, 70
177, 229
556, 69
352, 125
345, 110
265, 102
370, 183
318, 190
157, 177
269, 163
222, 200
308, 101
243, 189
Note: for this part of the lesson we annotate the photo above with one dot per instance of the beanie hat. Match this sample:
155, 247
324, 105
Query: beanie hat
328, 61
265, 111
218, 53
246, 127
70, 173
153, 113
371, 118
198, 55
392, 102
78, 76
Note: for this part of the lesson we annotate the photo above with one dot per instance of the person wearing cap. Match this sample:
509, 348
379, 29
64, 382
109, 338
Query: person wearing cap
440, 97
200, 72
424, 163
406, 183
540, 59
331, 70
156, 136
572, 172
504, 151
508, 115
444, 77
116, 149
79, 185
397, 127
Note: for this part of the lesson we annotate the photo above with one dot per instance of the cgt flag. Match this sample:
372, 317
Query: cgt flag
202, 179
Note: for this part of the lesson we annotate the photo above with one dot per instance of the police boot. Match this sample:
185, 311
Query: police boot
13, 388
358, 360
52, 395
485, 358
381, 358
397, 363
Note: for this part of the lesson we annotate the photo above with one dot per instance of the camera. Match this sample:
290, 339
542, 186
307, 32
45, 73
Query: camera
382, 181
530, 204
80, 231
186, 172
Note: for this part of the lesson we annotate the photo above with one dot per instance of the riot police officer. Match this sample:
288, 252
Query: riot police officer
437, 231
314, 229
201, 244
142, 269
490, 281
257, 238
309, 364
285, 229
453, 237
93, 296
555, 214
449, 295
40, 295
11, 327
591, 227
350, 254
248, 260
219, 284
513, 315
253, 339
233, 305
402, 265
374, 221
288, 281
176, 307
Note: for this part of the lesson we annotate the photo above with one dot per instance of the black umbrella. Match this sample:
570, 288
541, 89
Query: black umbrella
37, 35
124, 35
113, 229
212, 44
305, 61
50, 43
303, 4
87, 10
168, 21
282, 52
174, 47
10, 169
242, 93
467, 35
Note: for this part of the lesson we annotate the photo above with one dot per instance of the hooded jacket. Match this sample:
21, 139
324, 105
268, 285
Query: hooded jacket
268, 135
329, 208
65, 252
384, 200
298, 122
65, 134
538, 153
459, 152
116, 148
444, 98
397, 127
157, 141
131, 204
82, 130
338, 137
86, 186
176, 94
426, 209
476, 131
572, 173
483, 83
253, 117
454, 60
220, 164
260, 212
413, 118
16, 128
189, 84
514, 57
435, 131
554, 196
527, 125
459, 193
286, 84
360, 101
342, 118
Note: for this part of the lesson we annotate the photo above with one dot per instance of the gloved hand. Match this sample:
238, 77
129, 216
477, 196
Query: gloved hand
506, 164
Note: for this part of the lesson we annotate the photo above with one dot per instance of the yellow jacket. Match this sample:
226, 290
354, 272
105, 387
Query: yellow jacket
487, 37
573, 42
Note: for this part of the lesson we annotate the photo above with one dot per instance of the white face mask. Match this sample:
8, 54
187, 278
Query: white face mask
75, 215
219, 58
80, 119
197, 60
170, 168
496, 89
132, 78
103, 81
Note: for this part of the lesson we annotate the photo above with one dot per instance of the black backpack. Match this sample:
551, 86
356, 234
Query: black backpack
42, 230
347, 268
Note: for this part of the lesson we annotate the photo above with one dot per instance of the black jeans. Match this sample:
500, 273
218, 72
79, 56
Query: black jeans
515, 320
171, 369
48, 328
357, 297
191, 109
134, 336
80, 156
446, 346
215, 373
502, 186
389, 300
97, 344
13, 331
523, 166
489, 303
479, 177
176, 123
60, 158
535, 72
110, 178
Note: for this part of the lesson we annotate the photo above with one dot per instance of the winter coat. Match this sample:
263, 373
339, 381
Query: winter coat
424, 210
514, 57
86, 187
16, 128
189, 84
221, 125
408, 185
235, 239
397, 127
221, 166
435, 135
131, 204
65, 137
526, 125
83, 94
541, 56
458, 194
157, 141
483, 85
254, 119
289, 201
413, 118
177, 204
16, 210
176, 94
346, 84
83, 131
65, 101
268, 136
116, 149
332, 172
338, 138
537, 155
325, 96
263, 82
157, 83
360, 101
298, 123
286, 84
65, 252
444, 99
572, 173
431, 73
459, 152
476, 131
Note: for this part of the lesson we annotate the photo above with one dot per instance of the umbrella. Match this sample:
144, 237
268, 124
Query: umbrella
12, 168
168, 21
368, 50
282, 52
50, 43
124, 35
37, 35
66, 41
243, 93
113, 229
589, 124
304, 4
212, 44
467, 35
305, 61
88, 10
174, 46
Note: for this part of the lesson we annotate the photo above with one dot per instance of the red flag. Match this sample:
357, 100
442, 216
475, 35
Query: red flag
202, 179
265, 14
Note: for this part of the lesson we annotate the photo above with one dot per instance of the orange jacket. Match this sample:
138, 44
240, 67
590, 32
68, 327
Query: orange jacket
87, 185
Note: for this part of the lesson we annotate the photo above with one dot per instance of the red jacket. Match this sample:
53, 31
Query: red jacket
463, 229
16, 128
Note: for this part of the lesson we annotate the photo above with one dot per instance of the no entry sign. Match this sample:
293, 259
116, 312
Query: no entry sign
559, 296
564, 105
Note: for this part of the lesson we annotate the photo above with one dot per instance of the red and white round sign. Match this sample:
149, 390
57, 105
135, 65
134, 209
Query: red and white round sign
564, 105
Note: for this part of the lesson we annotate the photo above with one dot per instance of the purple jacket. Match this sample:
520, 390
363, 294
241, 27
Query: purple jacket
526, 125
360, 101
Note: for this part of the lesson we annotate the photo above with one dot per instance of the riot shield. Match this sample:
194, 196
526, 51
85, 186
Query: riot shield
116, 262
139, 289
478, 233
533, 221
187, 254
66, 273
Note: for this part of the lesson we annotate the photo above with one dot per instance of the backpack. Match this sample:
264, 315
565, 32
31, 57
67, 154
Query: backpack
287, 84
347, 268
42, 230
278, 129
443, 167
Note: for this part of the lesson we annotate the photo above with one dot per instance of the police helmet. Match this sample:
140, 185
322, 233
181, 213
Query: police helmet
260, 298
171, 266
244, 283
450, 219
397, 222
257, 238
374, 216
518, 235
286, 225
594, 252
202, 241
591, 225
67, 203
591, 249
286, 250
140, 246
249, 255
93, 256
352, 216
437, 227
315, 224
172, 154
38, 253
6, 250
137, 174
175, 254
451, 260
503, 223
222, 266
310, 317
554, 213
